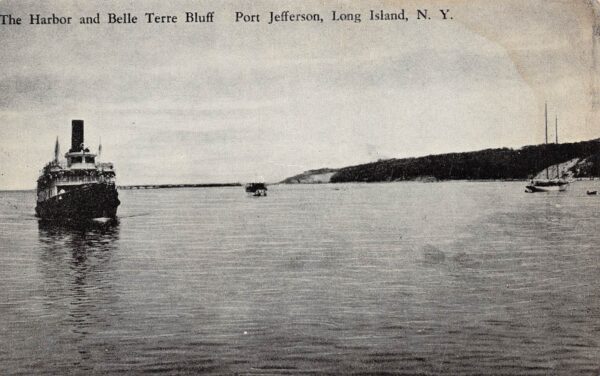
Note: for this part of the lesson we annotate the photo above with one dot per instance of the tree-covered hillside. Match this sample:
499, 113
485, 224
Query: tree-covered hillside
478, 165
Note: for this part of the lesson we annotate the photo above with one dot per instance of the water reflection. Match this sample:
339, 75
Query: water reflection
76, 263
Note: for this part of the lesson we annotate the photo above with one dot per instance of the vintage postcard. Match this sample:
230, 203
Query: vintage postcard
300, 187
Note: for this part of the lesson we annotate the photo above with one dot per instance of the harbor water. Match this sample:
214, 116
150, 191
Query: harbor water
400, 278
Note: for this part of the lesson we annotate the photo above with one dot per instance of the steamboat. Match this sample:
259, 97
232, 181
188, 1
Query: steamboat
78, 187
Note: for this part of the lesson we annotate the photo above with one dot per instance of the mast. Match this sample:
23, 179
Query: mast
546, 119
556, 128
546, 123
56, 150
556, 137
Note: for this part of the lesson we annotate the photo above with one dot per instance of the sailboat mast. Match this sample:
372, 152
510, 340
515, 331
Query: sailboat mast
546, 120
546, 124
556, 137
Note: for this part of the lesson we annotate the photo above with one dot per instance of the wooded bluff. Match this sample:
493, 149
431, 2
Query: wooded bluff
489, 164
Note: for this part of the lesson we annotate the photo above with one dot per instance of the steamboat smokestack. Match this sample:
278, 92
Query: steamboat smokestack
76, 135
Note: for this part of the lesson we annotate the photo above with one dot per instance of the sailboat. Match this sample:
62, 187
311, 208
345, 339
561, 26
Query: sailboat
548, 185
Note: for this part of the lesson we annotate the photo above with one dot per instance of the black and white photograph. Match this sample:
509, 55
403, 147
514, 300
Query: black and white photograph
286, 187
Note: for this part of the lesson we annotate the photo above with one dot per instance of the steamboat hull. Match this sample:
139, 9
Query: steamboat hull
90, 201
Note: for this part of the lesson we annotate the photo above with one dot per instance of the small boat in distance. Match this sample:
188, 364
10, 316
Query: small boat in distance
592, 193
79, 188
256, 189
548, 185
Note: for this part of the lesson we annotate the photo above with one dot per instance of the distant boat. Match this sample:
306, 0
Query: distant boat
591, 193
548, 185
256, 189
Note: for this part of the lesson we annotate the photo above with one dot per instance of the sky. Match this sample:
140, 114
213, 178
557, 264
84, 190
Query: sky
238, 102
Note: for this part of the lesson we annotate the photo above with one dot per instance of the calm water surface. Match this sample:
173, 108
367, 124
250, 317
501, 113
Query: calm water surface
406, 278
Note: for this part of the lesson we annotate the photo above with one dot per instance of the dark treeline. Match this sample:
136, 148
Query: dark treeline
478, 165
